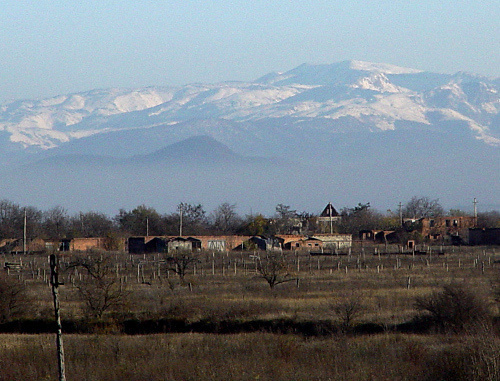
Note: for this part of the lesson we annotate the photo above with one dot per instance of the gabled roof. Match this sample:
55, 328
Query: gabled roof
329, 211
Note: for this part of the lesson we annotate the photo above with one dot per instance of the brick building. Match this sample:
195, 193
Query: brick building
454, 228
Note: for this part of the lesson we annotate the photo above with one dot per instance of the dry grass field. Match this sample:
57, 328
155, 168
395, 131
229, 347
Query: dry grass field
338, 318
253, 356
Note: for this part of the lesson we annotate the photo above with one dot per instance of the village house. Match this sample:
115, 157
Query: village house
263, 243
451, 229
162, 244
303, 243
334, 241
378, 236
441, 228
16, 245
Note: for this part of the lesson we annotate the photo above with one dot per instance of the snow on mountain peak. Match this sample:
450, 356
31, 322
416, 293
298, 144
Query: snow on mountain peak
377, 82
381, 68
373, 95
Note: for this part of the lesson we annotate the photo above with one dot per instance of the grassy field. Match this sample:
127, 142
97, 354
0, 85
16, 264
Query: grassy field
226, 290
254, 356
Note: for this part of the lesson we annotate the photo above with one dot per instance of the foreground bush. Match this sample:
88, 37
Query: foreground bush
455, 309
13, 298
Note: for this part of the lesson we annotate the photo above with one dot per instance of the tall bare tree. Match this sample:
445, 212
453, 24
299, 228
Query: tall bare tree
91, 224
285, 219
56, 222
142, 220
224, 219
420, 207
194, 218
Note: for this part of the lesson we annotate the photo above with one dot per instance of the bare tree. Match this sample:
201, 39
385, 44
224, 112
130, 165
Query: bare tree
285, 219
489, 219
361, 217
142, 220
419, 207
12, 220
100, 290
274, 269
92, 224
13, 298
56, 222
181, 262
194, 218
225, 219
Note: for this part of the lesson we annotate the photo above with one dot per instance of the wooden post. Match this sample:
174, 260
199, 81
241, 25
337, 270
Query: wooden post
54, 281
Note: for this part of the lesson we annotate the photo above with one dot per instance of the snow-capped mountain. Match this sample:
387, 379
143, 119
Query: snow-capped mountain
336, 97
348, 132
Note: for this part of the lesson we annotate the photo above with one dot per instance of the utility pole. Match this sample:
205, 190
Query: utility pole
54, 282
180, 219
475, 212
331, 221
24, 233
401, 213
81, 222
147, 226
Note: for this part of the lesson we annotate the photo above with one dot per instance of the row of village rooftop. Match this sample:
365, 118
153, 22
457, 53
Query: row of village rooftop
439, 230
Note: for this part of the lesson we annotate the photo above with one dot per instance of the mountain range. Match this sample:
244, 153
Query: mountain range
346, 132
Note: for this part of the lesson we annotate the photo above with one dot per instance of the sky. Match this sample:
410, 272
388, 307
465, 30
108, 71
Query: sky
57, 47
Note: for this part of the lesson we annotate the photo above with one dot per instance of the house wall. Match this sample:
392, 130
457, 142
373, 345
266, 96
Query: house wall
179, 245
380, 236
304, 244
289, 240
484, 236
16, 245
221, 243
83, 244
338, 241
442, 226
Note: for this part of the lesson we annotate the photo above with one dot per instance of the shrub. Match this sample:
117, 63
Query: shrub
13, 298
484, 352
348, 311
455, 309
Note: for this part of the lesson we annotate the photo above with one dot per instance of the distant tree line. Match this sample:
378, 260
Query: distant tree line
193, 219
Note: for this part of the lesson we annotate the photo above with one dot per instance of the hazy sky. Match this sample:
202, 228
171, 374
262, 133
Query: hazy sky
54, 47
